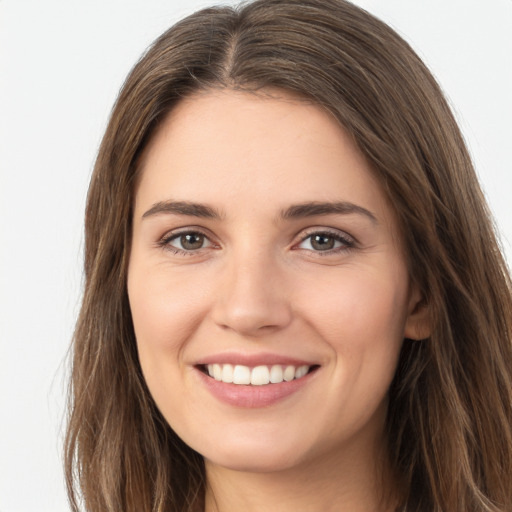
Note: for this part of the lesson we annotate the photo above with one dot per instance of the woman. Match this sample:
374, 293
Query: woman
294, 296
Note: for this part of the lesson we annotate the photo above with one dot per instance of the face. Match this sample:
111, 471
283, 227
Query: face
267, 284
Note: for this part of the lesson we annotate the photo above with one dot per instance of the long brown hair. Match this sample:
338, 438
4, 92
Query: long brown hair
450, 413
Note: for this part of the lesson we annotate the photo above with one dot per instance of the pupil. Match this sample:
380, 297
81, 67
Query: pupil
192, 241
322, 242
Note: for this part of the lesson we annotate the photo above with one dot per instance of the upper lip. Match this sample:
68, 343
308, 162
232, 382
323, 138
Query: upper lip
252, 360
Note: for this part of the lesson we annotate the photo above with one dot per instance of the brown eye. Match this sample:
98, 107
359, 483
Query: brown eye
327, 242
188, 241
322, 242
191, 241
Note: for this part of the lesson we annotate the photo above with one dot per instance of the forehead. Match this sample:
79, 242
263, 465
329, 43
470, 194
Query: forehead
244, 150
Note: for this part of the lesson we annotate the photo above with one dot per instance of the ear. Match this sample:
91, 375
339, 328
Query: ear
418, 324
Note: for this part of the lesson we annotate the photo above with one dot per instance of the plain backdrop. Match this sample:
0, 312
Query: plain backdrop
61, 66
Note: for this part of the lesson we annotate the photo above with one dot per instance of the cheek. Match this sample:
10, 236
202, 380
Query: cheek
163, 307
362, 321
166, 312
364, 308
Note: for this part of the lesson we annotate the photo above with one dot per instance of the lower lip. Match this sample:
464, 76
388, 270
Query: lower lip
253, 396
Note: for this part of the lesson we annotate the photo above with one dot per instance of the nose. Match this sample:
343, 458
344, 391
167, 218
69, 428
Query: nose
252, 298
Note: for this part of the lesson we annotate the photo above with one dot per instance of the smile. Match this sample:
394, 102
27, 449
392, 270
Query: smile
255, 380
258, 375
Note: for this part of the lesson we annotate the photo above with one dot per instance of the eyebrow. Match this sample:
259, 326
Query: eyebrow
297, 211
312, 209
183, 208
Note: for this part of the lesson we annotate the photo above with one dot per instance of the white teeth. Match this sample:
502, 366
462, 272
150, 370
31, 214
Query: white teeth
227, 373
289, 373
241, 374
301, 371
217, 372
276, 374
260, 376
257, 376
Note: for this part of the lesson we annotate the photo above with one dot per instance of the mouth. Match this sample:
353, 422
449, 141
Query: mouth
257, 375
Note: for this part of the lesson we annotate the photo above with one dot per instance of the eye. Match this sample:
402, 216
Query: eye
326, 241
186, 242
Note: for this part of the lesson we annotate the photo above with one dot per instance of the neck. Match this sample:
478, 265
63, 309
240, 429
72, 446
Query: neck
345, 481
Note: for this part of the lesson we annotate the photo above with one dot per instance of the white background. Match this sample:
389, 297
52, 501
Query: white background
61, 66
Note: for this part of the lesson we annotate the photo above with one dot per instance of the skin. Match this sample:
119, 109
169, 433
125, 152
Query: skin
258, 284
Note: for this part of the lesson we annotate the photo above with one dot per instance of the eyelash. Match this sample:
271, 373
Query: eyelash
165, 241
347, 242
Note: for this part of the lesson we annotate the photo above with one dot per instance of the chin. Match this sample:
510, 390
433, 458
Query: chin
254, 461
251, 455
